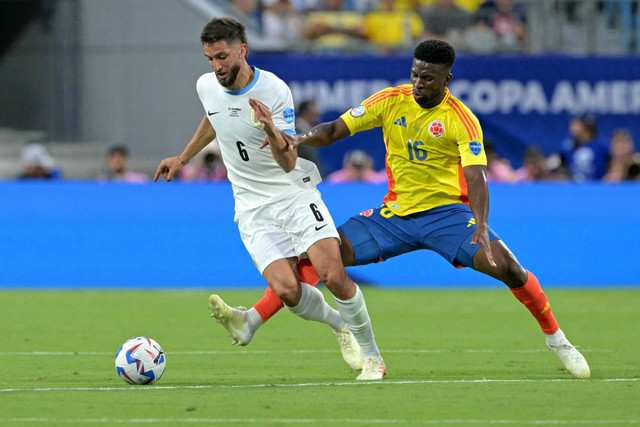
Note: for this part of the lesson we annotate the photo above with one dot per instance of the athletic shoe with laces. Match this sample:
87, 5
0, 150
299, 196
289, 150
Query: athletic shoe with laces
349, 348
575, 362
372, 368
234, 320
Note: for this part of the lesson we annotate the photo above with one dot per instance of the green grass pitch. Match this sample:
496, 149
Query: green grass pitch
453, 357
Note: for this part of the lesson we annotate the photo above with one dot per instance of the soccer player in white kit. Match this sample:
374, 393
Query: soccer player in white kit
279, 211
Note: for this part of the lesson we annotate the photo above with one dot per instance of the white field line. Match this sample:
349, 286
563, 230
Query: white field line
334, 384
214, 352
271, 421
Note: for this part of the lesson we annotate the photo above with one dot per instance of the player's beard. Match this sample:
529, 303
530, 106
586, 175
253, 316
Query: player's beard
232, 75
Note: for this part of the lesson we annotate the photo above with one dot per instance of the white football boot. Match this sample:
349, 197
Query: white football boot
575, 362
350, 348
234, 320
372, 369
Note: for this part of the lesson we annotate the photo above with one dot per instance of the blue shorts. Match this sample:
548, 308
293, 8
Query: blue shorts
378, 234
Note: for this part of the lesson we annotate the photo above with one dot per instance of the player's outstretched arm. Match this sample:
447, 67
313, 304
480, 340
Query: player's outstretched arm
476, 177
170, 166
275, 139
321, 135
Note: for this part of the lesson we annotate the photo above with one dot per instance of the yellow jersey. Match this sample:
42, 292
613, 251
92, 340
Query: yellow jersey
426, 147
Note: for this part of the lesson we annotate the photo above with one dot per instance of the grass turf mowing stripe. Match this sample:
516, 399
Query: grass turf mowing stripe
304, 421
382, 382
214, 352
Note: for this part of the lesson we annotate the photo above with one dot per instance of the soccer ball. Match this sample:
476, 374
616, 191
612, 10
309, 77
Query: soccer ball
140, 361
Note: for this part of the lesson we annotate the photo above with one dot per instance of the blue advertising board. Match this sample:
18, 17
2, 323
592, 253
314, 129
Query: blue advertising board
520, 100
179, 235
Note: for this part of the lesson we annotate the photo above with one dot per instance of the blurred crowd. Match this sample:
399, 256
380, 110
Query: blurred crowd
474, 26
584, 156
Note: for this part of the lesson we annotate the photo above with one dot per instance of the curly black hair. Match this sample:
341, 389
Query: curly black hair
223, 29
435, 52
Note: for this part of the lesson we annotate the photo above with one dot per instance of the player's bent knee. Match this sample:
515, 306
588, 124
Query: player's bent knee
334, 277
288, 291
339, 284
512, 274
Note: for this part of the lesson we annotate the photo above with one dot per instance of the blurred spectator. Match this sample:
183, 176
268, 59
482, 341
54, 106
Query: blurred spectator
363, 6
246, 10
357, 166
307, 116
625, 160
334, 27
117, 164
391, 28
508, 20
534, 167
584, 154
498, 168
445, 21
281, 21
469, 5
303, 6
624, 14
207, 166
411, 4
37, 163
480, 38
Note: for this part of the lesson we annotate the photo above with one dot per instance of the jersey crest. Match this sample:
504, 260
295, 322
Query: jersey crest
436, 128
254, 120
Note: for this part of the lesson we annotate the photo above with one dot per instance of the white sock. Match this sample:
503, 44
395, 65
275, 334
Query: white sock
355, 315
253, 319
312, 306
556, 338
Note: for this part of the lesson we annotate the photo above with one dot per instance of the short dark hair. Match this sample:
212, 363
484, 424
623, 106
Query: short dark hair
305, 106
224, 29
120, 149
435, 52
590, 123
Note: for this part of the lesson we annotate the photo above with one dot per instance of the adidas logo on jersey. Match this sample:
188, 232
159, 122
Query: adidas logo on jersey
401, 122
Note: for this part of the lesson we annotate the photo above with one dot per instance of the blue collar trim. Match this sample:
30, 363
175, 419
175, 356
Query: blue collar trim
249, 86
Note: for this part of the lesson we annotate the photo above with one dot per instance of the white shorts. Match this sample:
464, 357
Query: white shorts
285, 228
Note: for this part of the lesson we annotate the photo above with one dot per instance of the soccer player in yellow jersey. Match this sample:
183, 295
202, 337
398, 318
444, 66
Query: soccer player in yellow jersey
438, 197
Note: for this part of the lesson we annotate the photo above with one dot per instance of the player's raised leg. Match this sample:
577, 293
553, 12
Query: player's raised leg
325, 257
239, 322
270, 304
308, 303
525, 287
242, 324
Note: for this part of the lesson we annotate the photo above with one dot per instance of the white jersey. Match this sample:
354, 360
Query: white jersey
256, 177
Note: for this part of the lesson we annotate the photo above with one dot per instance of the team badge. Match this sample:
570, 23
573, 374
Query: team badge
289, 115
475, 147
367, 212
254, 120
436, 128
358, 111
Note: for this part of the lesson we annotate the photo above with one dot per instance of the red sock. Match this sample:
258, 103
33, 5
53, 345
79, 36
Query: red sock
535, 300
270, 303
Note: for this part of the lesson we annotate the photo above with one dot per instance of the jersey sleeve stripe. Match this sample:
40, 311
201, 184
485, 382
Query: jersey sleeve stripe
391, 195
464, 198
466, 120
464, 113
384, 95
